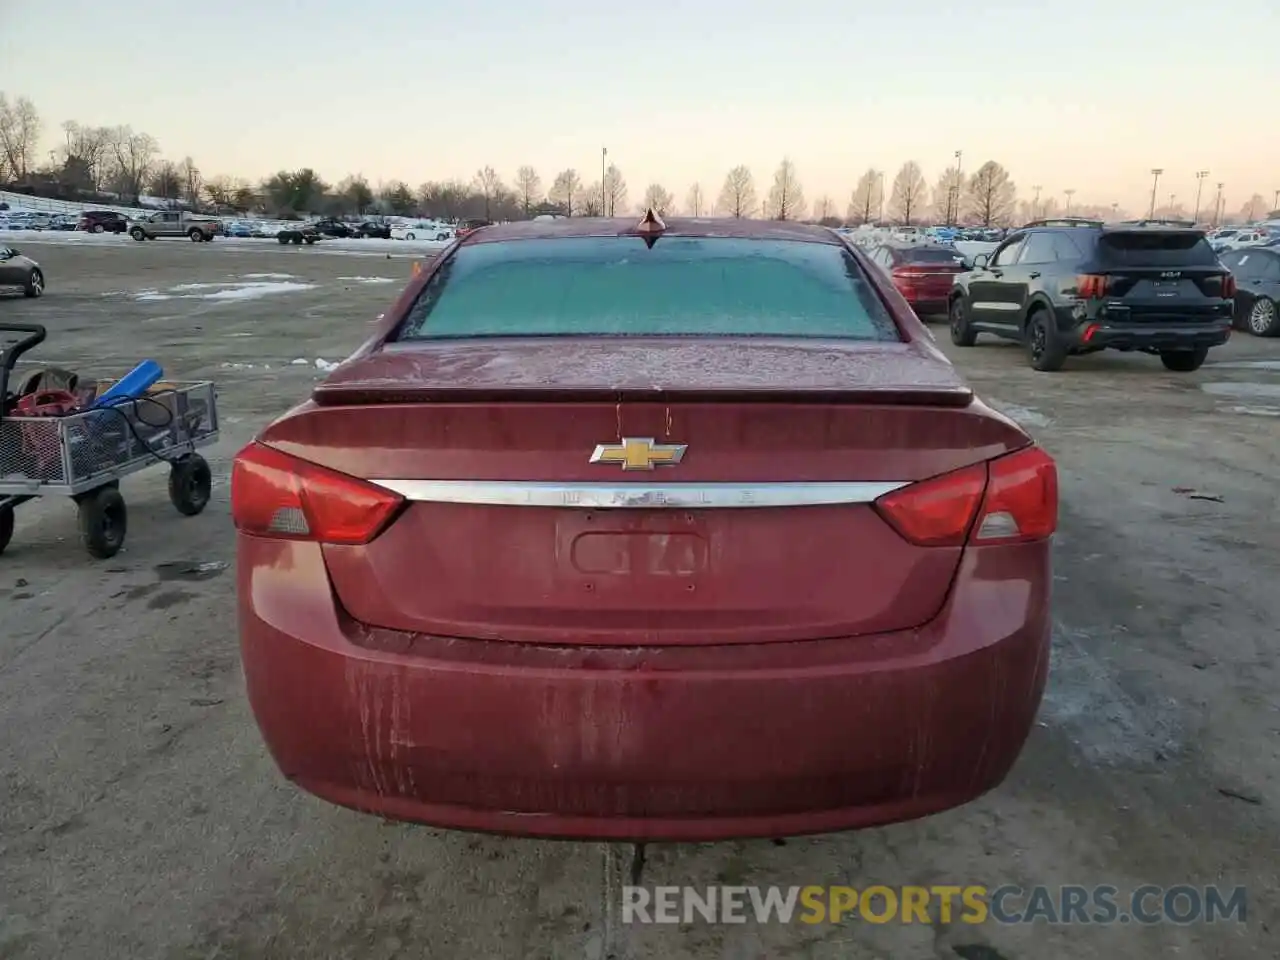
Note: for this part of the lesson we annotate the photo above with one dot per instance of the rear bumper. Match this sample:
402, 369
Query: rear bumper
695, 743
1154, 334
928, 306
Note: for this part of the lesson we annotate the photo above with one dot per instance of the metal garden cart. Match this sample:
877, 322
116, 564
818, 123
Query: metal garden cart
83, 454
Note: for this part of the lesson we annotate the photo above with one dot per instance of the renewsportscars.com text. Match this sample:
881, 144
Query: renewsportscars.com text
970, 904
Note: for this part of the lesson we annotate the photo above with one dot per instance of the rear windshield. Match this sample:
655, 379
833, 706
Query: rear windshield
1157, 248
930, 255
683, 286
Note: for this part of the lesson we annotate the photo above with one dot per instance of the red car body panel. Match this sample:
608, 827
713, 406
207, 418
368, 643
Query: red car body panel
693, 743
645, 673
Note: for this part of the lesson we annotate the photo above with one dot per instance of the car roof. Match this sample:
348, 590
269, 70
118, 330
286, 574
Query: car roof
724, 227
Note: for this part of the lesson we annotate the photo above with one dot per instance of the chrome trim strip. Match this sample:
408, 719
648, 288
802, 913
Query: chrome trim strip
519, 493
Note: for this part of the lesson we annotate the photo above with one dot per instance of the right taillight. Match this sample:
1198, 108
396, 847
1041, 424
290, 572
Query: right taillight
1091, 285
1228, 286
281, 497
1011, 499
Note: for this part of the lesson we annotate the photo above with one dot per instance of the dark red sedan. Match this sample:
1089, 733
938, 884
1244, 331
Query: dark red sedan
677, 531
922, 273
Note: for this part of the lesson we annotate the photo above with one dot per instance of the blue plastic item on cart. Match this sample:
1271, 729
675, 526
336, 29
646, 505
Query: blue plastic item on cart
133, 384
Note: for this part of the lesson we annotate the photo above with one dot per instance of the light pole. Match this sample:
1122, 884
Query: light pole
1217, 205
880, 215
1200, 175
1275, 201
1035, 204
1115, 210
1171, 198
604, 159
1155, 173
1070, 193
955, 189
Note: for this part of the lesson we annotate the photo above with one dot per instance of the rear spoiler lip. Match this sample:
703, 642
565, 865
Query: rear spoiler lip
374, 393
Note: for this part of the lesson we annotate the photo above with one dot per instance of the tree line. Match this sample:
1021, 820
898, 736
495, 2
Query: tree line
121, 163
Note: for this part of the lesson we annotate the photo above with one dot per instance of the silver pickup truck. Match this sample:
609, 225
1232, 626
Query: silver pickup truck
175, 223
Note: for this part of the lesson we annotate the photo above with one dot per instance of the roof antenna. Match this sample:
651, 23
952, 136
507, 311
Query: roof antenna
650, 227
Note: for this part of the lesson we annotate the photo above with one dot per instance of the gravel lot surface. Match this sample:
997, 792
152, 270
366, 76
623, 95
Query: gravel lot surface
141, 818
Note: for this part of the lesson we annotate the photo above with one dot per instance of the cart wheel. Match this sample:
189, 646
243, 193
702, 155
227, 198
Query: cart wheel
190, 481
6, 527
103, 522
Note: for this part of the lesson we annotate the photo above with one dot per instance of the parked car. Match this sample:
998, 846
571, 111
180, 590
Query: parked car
697, 547
922, 273
1074, 290
331, 227
300, 234
374, 229
103, 221
1257, 273
1237, 239
471, 226
64, 222
237, 228
176, 223
422, 230
19, 271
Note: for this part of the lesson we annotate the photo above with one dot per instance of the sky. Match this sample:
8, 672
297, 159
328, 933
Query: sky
1087, 95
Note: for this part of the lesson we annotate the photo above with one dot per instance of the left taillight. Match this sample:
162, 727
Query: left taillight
1011, 499
282, 497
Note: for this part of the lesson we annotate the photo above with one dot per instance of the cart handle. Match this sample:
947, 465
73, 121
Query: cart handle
35, 335
9, 354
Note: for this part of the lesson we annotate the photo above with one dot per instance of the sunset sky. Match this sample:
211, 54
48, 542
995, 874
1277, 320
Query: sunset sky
1082, 94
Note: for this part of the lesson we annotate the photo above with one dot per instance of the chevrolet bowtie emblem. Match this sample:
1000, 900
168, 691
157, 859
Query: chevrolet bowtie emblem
639, 453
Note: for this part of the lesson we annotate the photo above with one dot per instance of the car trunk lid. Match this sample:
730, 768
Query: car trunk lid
762, 531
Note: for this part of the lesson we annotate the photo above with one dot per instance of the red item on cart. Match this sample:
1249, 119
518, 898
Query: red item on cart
46, 403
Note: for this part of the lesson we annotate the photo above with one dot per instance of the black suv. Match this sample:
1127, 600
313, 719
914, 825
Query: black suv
1066, 287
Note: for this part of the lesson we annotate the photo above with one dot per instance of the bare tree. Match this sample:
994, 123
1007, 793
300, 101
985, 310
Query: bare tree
488, 185
593, 201
132, 155
443, 199
824, 210
566, 191
992, 196
220, 191
658, 198
85, 152
19, 137
166, 180
528, 189
243, 196
190, 181
866, 199
738, 195
947, 194
1256, 205
694, 201
786, 197
906, 200
615, 192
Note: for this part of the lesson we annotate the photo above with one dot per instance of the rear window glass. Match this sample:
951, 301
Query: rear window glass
930, 255
683, 286
1156, 248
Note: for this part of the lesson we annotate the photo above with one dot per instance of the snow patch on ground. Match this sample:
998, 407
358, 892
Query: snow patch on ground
237, 290
267, 276
368, 279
